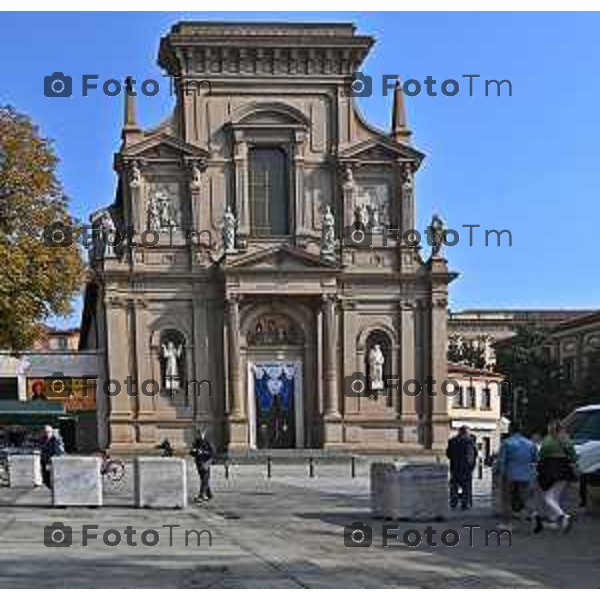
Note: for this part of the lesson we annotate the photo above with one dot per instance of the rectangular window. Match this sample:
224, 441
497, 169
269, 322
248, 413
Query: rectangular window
472, 397
486, 399
459, 399
268, 190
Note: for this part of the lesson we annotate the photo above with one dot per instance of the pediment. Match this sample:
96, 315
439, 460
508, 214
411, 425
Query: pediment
380, 150
162, 145
282, 258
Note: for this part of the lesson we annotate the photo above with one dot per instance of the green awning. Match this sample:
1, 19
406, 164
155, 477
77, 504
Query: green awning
31, 407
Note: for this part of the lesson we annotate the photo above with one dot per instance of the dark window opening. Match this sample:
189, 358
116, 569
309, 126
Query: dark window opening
268, 189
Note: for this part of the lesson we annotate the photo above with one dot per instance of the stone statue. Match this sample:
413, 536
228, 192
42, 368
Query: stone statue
437, 230
228, 230
376, 360
171, 354
328, 234
109, 234
375, 217
407, 180
136, 176
162, 213
196, 176
349, 176
153, 214
361, 217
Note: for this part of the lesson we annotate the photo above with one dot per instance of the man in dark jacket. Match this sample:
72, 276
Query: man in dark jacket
203, 454
462, 453
51, 446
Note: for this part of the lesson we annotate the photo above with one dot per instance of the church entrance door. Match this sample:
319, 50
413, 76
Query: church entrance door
275, 392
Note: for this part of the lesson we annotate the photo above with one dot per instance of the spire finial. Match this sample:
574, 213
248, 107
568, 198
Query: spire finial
400, 129
130, 116
131, 130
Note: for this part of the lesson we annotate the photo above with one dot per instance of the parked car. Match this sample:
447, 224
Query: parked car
583, 426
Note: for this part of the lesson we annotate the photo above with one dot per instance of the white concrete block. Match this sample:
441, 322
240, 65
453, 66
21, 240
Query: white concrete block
24, 470
160, 482
410, 491
76, 481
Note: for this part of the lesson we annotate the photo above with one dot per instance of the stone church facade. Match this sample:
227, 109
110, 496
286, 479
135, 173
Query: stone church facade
257, 300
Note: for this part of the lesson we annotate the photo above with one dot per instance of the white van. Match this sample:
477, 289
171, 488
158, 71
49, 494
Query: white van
583, 426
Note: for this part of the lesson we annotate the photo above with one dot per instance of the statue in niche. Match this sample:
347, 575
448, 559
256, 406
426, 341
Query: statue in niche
328, 234
375, 217
171, 355
437, 231
228, 230
162, 213
361, 217
376, 361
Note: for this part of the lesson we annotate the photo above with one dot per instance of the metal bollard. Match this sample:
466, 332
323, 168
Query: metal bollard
226, 469
268, 467
311, 467
353, 466
480, 469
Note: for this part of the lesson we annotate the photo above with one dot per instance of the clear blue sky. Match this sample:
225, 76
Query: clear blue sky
528, 163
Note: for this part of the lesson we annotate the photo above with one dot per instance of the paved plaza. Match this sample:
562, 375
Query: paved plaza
286, 531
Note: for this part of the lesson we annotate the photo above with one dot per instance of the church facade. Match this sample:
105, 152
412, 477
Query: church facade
265, 291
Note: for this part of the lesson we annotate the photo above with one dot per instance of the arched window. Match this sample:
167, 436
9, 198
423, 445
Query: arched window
269, 191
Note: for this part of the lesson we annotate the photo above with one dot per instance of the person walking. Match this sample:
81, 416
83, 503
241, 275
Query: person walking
515, 468
51, 446
462, 454
557, 468
203, 454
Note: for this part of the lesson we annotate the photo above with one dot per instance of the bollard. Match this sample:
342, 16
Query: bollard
226, 469
268, 467
311, 467
353, 466
480, 469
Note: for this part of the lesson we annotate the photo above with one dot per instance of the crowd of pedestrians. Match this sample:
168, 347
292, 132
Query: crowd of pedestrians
532, 475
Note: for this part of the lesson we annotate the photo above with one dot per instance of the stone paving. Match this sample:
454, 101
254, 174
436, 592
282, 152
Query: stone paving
286, 531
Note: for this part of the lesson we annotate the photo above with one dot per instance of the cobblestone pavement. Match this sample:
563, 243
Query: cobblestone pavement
286, 531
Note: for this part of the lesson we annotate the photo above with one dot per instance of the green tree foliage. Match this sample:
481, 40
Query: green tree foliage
36, 281
466, 354
538, 390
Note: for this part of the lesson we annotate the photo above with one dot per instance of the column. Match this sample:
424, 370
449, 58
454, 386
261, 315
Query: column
118, 360
409, 415
238, 425
439, 368
236, 390
330, 358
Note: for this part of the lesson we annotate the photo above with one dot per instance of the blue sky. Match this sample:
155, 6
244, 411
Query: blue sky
527, 163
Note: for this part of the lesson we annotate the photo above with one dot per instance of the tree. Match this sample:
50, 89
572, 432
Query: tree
467, 354
538, 390
37, 279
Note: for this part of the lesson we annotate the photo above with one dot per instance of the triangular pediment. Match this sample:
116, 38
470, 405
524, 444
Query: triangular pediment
162, 145
380, 150
281, 258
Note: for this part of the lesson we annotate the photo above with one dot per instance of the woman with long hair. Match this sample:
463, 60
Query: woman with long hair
557, 467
